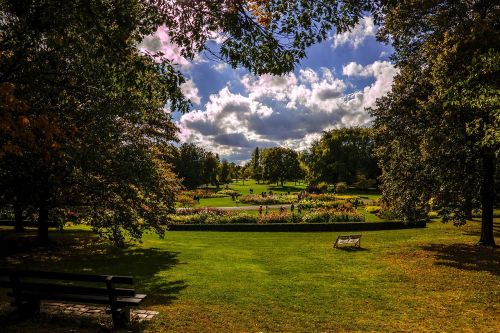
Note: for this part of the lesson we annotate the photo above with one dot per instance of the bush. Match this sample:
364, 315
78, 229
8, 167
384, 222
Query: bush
185, 200
243, 218
331, 215
229, 193
373, 209
311, 204
433, 214
341, 187
276, 217
192, 211
322, 187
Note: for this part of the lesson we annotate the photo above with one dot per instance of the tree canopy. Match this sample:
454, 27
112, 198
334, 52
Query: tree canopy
438, 130
342, 155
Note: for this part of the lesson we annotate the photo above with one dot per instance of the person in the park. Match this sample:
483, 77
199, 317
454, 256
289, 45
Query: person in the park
299, 208
260, 210
292, 207
267, 209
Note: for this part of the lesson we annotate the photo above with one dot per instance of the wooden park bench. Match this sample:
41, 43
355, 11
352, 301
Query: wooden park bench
30, 287
348, 240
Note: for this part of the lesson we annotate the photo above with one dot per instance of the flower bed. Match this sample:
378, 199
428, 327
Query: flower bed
275, 199
215, 216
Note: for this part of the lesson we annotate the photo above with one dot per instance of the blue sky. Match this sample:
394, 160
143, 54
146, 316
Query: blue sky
234, 111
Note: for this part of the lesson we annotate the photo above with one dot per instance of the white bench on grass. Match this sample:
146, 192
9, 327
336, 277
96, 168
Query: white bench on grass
354, 240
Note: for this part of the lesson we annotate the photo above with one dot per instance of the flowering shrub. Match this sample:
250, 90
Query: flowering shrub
185, 200
229, 193
433, 214
331, 215
311, 204
205, 194
192, 211
276, 217
373, 209
274, 199
214, 216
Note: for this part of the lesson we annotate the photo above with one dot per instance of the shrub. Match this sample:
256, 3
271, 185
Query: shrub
341, 187
276, 217
243, 218
332, 215
311, 204
192, 211
185, 200
373, 209
433, 214
386, 214
229, 193
322, 187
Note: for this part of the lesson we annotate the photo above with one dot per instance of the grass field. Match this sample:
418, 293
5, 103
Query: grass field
431, 279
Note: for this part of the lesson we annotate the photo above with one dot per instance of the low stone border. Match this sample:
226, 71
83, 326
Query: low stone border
83, 310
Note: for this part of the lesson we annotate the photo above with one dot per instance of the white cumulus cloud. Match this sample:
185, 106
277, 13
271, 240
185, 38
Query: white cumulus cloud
356, 36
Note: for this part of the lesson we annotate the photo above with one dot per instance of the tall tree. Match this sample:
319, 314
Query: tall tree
280, 164
341, 155
92, 124
225, 172
256, 166
438, 131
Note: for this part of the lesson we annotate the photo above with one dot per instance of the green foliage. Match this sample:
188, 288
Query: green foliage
225, 172
278, 217
95, 114
434, 131
229, 193
341, 187
331, 216
322, 187
373, 209
280, 164
342, 155
269, 38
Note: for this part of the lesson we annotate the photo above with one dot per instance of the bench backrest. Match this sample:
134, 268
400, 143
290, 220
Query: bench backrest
350, 239
58, 282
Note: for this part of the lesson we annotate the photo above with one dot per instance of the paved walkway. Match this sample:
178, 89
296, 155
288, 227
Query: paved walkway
287, 206
83, 310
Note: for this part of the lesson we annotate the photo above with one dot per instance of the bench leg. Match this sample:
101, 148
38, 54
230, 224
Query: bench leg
121, 317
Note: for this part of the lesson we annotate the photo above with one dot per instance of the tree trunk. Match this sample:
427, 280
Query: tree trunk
43, 224
487, 199
468, 207
18, 218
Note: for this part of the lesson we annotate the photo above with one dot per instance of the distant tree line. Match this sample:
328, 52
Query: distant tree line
196, 166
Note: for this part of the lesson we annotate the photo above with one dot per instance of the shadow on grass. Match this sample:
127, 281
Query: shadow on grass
466, 257
477, 231
80, 252
352, 249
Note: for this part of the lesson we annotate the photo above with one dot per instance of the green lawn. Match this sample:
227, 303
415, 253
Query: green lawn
431, 279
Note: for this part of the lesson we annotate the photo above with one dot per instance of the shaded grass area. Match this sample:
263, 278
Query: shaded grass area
432, 279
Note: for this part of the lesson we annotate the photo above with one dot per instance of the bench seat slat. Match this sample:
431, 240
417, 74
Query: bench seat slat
96, 299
